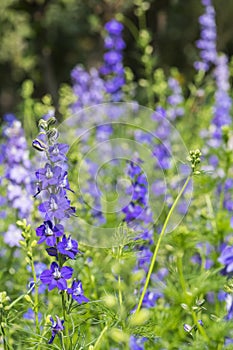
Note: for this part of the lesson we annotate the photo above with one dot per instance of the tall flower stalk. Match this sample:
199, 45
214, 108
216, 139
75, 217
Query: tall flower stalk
207, 42
55, 208
113, 67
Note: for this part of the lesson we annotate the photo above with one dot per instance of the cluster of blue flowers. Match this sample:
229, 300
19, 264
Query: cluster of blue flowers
56, 208
207, 42
113, 67
174, 100
17, 179
223, 101
88, 87
215, 138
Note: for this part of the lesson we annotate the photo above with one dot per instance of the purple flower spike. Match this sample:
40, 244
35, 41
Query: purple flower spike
56, 277
49, 233
68, 247
57, 326
76, 291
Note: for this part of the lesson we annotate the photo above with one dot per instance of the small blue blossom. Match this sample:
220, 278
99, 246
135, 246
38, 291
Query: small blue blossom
58, 206
226, 258
56, 277
49, 233
49, 176
77, 293
68, 247
57, 152
57, 327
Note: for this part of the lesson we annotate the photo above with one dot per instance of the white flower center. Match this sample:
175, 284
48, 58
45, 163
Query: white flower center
49, 173
48, 230
69, 244
55, 151
56, 274
77, 291
53, 204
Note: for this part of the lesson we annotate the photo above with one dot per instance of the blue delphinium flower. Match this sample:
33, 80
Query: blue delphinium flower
57, 327
49, 176
49, 233
77, 293
113, 67
68, 247
207, 43
57, 207
56, 277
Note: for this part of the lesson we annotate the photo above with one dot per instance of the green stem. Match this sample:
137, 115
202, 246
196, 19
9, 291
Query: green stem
119, 280
199, 327
67, 338
180, 272
159, 242
36, 302
131, 26
62, 342
7, 308
100, 337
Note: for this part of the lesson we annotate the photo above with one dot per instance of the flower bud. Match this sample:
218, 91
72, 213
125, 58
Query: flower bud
39, 145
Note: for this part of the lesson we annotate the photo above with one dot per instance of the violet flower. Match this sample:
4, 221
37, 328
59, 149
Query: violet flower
49, 233
56, 276
57, 327
68, 247
77, 293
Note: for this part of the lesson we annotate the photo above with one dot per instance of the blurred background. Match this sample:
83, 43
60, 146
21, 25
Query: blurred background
42, 40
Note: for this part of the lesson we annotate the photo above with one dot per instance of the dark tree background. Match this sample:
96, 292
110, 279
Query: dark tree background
43, 40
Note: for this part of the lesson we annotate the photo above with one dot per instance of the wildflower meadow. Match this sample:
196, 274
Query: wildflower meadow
117, 201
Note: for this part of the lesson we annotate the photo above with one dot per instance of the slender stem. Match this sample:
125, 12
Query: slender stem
159, 242
119, 280
100, 337
119, 291
180, 272
18, 299
62, 342
199, 327
67, 338
131, 26
36, 303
